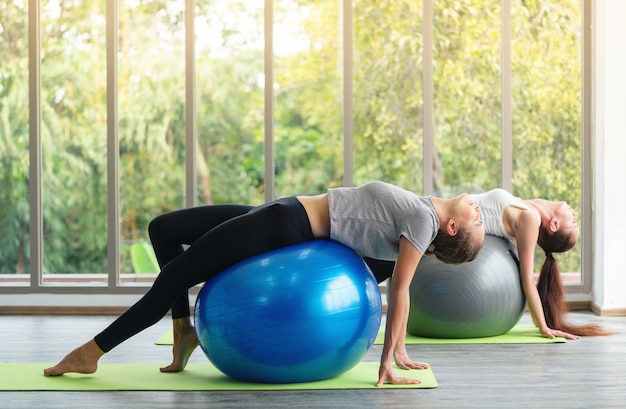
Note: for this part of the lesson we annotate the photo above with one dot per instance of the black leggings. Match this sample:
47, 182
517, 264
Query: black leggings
219, 236
170, 231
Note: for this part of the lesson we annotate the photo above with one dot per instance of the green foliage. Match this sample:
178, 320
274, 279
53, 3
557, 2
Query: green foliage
308, 109
388, 92
14, 163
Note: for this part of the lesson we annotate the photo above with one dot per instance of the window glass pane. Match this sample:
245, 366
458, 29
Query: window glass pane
151, 90
466, 96
308, 96
230, 111
14, 160
308, 43
546, 71
73, 133
387, 81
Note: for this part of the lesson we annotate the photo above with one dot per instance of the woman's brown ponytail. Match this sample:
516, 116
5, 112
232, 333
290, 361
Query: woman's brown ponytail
552, 297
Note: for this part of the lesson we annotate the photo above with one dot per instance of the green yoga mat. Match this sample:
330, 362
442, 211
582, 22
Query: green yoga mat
196, 377
520, 334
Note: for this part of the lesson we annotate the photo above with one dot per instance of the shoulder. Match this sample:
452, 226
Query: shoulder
392, 195
523, 222
528, 216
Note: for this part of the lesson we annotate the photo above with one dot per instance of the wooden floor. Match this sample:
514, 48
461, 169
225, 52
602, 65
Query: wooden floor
587, 373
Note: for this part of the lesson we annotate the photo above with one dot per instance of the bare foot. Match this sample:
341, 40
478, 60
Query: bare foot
83, 359
185, 342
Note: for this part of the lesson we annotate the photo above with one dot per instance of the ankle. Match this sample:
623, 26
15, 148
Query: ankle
91, 351
183, 323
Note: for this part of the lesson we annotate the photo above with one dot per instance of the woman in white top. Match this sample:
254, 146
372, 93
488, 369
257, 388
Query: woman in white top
551, 226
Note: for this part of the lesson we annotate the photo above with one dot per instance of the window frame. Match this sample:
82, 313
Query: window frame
576, 291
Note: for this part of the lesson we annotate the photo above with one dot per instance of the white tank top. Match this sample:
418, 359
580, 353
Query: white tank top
492, 204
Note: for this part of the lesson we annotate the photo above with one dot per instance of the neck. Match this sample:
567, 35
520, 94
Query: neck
442, 207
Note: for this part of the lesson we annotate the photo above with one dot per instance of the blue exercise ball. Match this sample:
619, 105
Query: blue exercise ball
481, 298
301, 313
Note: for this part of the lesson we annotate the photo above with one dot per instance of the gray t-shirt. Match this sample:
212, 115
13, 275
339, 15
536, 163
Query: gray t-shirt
372, 217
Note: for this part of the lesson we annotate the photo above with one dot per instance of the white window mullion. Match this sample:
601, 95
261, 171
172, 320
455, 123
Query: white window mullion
348, 124
35, 148
191, 174
269, 100
506, 160
113, 186
428, 96
586, 146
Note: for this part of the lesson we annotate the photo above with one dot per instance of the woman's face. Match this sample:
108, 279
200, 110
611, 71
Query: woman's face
567, 217
467, 215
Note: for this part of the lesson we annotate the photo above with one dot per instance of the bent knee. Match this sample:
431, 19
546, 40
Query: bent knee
157, 226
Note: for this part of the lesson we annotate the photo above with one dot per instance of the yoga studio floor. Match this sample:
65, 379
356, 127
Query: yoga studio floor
587, 373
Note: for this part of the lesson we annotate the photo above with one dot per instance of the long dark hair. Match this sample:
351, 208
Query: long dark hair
550, 287
456, 249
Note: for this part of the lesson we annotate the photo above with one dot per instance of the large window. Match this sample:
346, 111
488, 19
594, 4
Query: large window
14, 144
547, 107
388, 99
467, 95
73, 139
136, 107
230, 83
151, 123
308, 99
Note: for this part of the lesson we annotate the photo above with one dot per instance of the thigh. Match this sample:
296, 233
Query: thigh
185, 226
266, 228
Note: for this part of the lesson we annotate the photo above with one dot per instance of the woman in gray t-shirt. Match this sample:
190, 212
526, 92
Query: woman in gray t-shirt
376, 220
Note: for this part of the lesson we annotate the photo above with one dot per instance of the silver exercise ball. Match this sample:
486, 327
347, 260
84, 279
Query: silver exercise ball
477, 299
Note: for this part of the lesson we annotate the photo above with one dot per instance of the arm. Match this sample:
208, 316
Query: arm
397, 317
526, 234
